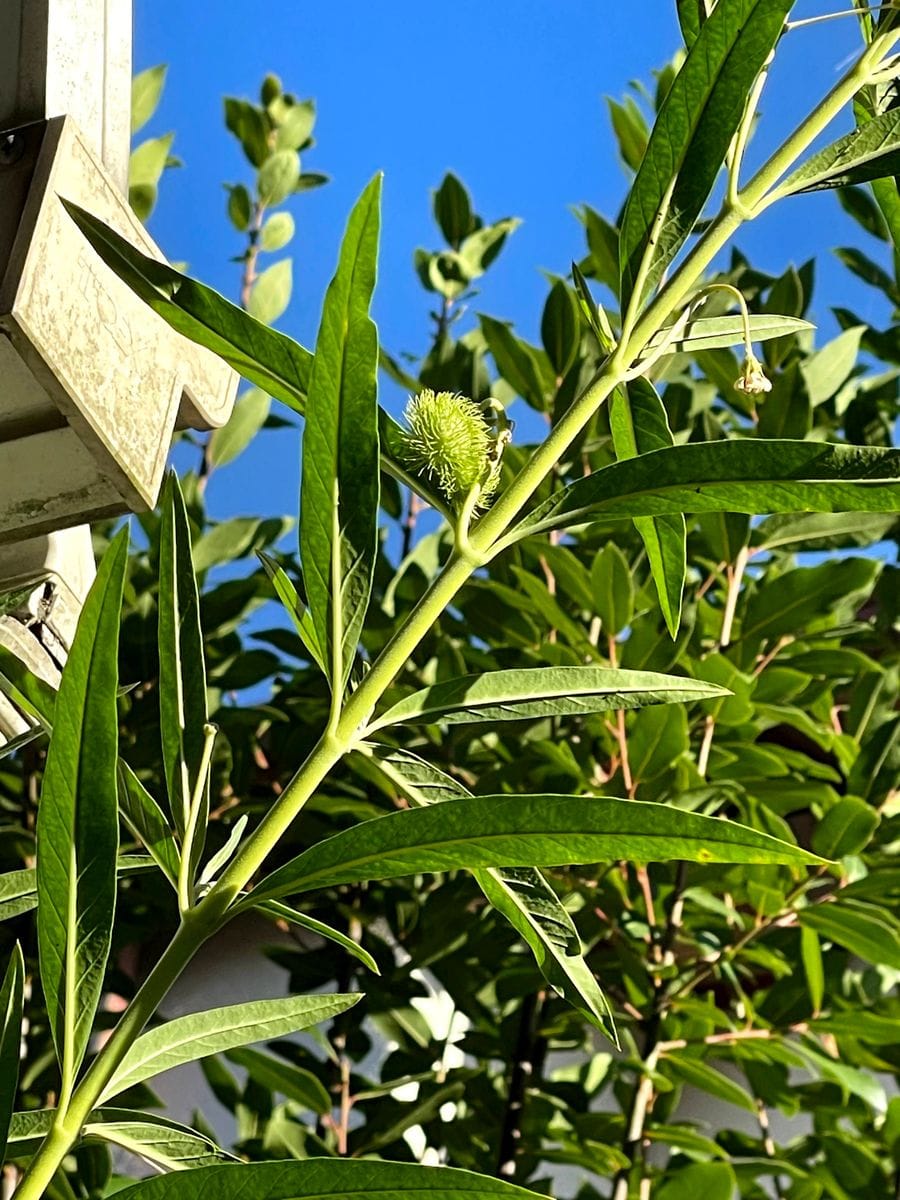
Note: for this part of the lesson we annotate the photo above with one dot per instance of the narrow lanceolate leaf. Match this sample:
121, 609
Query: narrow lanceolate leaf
520, 831
750, 476
339, 486
281, 912
182, 670
640, 425
863, 929
31, 695
325, 1179
294, 607
540, 692
200, 1034
712, 333
871, 152
520, 894
690, 138
269, 359
11, 995
78, 820
18, 893
164, 1144
146, 820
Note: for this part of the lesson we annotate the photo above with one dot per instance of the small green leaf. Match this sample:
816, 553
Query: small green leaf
516, 361
278, 177
613, 589
453, 210
318, 1178
247, 419
271, 293
825, 371
560, 328
277, 231
240, 207
146, 92
592, 311
146, 820
813, 967
520, 831
182, 668
712, 1181
693, 130
340, 480
281, 912
292, 1082
846, 828
199, 1034
295, 128
295, 608
540, 692
78, 820
701, 1075
11, 1000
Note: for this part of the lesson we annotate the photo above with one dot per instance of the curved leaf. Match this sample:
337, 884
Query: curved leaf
165, 1144
200, 1034
748, 475
324, 1179
520, 831
711, 333
516, 695
521, 894
281, 912
78, 819
339, 485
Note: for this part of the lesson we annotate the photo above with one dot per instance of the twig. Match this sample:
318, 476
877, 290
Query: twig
521, 1074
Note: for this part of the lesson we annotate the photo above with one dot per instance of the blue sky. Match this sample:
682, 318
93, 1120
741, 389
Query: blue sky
508, 95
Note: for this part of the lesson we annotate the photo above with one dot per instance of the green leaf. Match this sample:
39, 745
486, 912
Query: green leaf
324, 1179
277, 231
453, 210
639, 425
846, 828
269, 359
521, 894
146, 820
271, 293
146, 91
701, 1075
11, 1000
292, 1082
691, 15
339, 485
247, 419
78, 820
295, 128
516, 361
693, 130
657, 737
281, 912
821, 531
712, 1181
711, 333
199, 1034
520, 831
871, 152
295, 608
240, 207
18, 893
182, 667
750, 476
163, 1143
30, 694
278, 177
813, 967
805, 596
862, 928
825, 371
540, 692
560, 328
592, 311
613, 589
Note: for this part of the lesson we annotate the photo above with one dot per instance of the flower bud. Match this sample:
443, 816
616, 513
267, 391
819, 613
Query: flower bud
450, 441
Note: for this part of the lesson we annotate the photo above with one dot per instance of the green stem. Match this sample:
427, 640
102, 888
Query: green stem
186, 866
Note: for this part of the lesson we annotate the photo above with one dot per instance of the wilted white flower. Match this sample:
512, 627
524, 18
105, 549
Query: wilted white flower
752, 379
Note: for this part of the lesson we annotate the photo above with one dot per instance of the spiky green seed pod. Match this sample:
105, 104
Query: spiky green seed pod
450, 441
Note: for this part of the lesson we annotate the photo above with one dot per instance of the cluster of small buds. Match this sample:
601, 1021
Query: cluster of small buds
752, 379
450, 441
